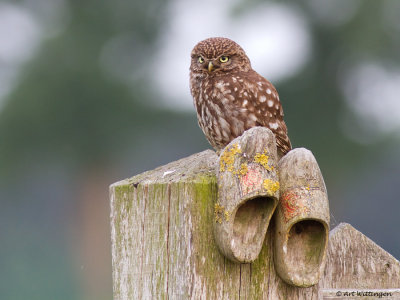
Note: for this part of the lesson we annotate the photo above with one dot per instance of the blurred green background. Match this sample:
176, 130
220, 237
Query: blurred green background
92, 92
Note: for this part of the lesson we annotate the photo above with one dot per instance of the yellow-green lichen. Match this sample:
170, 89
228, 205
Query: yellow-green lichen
218, 210
228, 158
227, 215
243, 169
263, 159
221, 213
271, 186
205, 191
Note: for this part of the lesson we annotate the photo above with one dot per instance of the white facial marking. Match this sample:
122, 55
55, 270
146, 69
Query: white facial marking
262, 99
270, 103
269, 91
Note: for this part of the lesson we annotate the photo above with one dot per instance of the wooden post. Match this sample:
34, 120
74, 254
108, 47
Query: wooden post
163, 245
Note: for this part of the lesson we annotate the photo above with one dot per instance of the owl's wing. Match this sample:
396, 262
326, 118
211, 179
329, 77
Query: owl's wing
261, 101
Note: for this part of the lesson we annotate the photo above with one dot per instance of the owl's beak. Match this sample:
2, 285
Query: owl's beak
210, 66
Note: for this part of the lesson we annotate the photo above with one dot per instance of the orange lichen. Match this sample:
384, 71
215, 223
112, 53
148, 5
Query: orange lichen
294, 203
252, 180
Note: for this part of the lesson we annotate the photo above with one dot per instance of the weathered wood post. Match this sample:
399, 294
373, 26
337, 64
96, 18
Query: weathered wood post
163, 245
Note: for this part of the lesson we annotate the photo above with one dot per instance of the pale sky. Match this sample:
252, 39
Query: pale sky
275, 37
373, 94
19, 37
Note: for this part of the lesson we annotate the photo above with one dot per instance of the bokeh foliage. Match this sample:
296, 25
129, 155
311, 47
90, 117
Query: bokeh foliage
68, 114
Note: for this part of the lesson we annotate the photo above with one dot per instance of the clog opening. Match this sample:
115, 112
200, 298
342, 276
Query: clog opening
251, 222
306, 246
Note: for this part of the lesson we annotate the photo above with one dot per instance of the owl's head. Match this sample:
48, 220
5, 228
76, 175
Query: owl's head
218, 55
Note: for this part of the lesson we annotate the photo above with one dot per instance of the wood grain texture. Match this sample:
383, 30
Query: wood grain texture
301, 220
248, 193
163, 245
355, 261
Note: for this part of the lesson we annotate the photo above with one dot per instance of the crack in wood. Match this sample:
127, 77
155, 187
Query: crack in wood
145, 194
240, 279
168, 224
195, 269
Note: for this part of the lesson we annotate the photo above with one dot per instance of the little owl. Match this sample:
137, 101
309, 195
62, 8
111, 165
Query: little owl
230, 97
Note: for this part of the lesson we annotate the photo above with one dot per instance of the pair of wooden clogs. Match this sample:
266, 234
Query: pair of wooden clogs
254, 185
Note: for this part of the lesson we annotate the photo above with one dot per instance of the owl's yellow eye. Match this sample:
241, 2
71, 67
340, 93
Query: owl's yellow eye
201, 60
223, 59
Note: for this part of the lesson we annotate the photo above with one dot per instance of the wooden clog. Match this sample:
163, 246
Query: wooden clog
302, 220
248, 191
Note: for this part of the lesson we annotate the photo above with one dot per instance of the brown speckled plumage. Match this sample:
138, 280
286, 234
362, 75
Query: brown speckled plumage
230, 97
